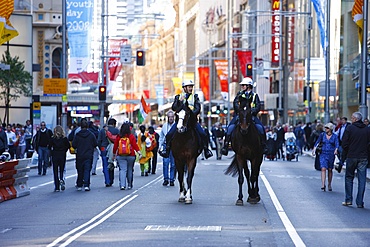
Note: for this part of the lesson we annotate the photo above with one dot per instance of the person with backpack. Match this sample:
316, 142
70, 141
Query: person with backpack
124, 153
300, 136
106, 139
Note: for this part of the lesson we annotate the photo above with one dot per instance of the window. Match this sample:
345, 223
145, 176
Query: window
57, 63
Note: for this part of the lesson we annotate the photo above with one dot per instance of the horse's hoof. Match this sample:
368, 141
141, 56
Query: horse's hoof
239, 202
188, 201
253, 200
181, 199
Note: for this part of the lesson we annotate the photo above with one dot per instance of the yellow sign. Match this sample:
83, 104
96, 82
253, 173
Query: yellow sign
36, 105
55, 86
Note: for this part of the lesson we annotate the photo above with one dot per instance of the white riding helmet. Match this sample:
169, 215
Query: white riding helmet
246, 81
187, 83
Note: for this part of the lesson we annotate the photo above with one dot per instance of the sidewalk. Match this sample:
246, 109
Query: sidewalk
309, 153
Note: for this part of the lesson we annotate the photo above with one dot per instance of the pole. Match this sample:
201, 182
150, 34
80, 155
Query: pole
363, 106
286, 65
64, 118
228, 28
308, 78
209, 113
280, 107
327, 64
103, 60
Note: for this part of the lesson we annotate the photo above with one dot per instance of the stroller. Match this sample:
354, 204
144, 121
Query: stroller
291, 149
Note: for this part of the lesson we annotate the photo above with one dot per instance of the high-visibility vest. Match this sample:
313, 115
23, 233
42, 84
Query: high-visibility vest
190, 100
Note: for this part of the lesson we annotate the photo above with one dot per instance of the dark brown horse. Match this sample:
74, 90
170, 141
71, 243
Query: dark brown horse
185, 149
245, 142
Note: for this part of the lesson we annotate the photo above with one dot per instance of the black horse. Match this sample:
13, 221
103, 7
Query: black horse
185, 149
245, 143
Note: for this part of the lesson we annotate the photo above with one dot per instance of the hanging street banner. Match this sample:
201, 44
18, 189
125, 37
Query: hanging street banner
7, 31
235, 61
79, 26
204, 81
244, 57
221, 68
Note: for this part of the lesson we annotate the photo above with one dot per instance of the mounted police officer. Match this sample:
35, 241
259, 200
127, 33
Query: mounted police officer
246, 92
178, 105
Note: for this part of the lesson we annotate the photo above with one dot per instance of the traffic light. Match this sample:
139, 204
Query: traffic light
140, 58
249, 70
102, 93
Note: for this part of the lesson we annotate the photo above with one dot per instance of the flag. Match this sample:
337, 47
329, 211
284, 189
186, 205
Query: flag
7, 31
144, 110
358, 17
320, 8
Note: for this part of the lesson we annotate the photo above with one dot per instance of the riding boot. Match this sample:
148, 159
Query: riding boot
263, 143
225, 148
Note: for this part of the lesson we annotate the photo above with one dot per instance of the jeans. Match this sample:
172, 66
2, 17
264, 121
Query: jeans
83, 172
169, 163
126, 170
43, 164
352, 165
106, 172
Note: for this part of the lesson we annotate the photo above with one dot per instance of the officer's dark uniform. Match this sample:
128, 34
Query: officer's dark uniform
177, 106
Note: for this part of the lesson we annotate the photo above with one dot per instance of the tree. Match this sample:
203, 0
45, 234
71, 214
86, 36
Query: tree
14, 83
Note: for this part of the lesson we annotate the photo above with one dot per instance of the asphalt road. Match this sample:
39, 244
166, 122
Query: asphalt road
293, 211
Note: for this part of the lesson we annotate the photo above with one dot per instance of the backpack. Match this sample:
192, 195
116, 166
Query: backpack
124, 146
110, 136
154, 142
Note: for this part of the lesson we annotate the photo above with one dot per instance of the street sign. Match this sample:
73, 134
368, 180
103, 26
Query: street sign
126, 54
36, 105
55, 87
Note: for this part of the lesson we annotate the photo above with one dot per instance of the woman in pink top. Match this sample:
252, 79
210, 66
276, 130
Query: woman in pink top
126, 162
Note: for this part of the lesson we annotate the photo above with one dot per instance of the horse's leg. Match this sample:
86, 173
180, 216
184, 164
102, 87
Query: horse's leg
191, 169
239, 202
248, 176
254, 196
180, 178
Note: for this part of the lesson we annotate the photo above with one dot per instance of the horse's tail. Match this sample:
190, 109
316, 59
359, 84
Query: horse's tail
232, 169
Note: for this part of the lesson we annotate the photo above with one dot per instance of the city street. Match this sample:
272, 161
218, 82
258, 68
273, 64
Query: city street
293, 211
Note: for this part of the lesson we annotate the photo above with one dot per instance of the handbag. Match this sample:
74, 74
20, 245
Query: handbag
318, 150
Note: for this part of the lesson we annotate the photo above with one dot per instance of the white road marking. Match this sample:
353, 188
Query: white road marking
182, 228
100, 218
283, 216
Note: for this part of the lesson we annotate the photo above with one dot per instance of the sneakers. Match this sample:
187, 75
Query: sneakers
79, 188
172, 184
56, 190
87, 188
347, 203
122, 188
62, 185
165, 183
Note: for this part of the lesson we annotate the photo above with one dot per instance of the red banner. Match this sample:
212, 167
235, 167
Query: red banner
204, 81
147, 94
115, 65
221, 67
244, 57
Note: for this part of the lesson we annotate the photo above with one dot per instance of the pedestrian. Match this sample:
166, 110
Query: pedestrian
41, 144
12, 139
59, 146
169, 168
126, 160
28, 131
355, 143
144, 143
3, 141
300, 136
106, 149
340, 132
95, 130
307, 133
280, 140
313, 138
218, 134
153, 161
84, 143
21, 147
330, 146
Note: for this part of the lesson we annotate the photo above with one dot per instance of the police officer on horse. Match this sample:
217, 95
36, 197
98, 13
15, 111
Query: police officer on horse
246, 92
178, 105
